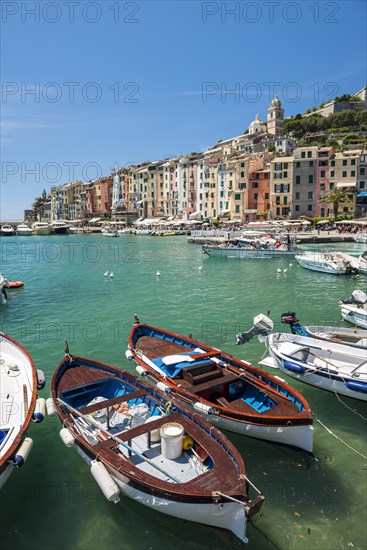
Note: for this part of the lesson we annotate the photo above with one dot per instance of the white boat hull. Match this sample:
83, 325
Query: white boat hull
328, 384
246, 253
294, 436
353, 314
228, 515
321, 266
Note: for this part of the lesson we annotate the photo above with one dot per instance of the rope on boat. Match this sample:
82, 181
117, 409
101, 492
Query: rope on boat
344, 443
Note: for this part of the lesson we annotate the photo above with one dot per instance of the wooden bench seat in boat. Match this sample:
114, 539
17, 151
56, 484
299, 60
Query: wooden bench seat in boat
201, 373
222, 380
110, 402
127, 435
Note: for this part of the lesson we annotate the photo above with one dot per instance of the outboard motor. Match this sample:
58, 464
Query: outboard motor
290, 318
357, 297
262, 326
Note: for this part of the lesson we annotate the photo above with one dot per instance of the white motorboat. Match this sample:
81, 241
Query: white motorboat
324, 364
363, 263
41, 228
124, 230
335, 263
19, 381
108, 232
361, 238
59, 227
354, 309
23, 230
142, 232
75, 230
340, 335
242, 252
7, 230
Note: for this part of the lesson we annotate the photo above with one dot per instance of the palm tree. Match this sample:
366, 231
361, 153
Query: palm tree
335, 197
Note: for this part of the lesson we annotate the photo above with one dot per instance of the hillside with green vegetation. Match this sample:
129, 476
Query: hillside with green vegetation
345, 129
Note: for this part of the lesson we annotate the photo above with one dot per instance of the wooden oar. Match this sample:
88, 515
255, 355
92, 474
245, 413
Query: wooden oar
96, 424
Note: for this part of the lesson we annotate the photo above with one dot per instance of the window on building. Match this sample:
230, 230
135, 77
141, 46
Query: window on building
309, 154
362, 170
266, 196
255, 196
322, 173
361, 184
332, 163
303, 154
310, 195
285, 200
277, 200
344, 174
353, 173
242, 164
285, 166
242, 174
278, 211
296, 208
237, 196
353, 162
237, 209
298, 165
255, 184
310, 207
332, 172
298, 179
345, 162
285, 174
310, 178
322, 186
297, 195
310, 163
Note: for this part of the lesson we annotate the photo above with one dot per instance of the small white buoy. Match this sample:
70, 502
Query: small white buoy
105, 481
106, 274
50, 407
290, 265
22, 453
279, 270
67, 437
200, 268
111, 274
158, 274
285, 270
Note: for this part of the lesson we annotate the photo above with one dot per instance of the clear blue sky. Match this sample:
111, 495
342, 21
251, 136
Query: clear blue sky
122, 82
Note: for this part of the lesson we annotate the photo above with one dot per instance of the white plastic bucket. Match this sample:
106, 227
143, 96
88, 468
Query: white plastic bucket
155, 435
171, 440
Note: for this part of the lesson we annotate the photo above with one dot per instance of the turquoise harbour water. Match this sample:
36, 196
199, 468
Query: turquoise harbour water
53, 501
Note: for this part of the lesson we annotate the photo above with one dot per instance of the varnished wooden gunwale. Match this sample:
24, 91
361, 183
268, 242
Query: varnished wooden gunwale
224, 476
285, 413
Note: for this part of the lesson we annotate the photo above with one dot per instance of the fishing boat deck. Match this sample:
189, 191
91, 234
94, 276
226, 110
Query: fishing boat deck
79, 376
156, 347
210, 381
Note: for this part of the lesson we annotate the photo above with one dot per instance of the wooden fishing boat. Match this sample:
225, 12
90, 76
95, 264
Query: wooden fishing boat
139, 441
327, 365
19, 381
231, 393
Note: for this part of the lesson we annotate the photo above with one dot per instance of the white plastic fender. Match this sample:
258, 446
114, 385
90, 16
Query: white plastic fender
23, 452
39, 410
163, 387
202, 408
107, 485
141, 370
50, 407
129, 354
67, 437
